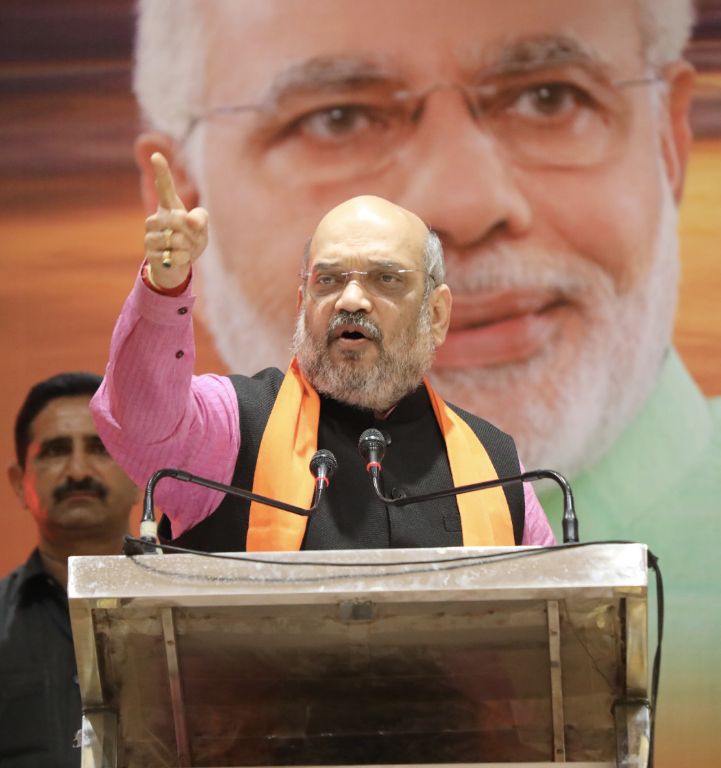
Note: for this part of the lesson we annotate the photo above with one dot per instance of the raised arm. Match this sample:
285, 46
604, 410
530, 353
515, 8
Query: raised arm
151, 411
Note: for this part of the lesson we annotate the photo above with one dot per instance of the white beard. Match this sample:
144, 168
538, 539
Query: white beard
398, 370
567, 421
245, 339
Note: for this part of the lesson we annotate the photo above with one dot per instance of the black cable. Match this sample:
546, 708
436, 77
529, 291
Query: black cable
656, 669
449, 563
510, 552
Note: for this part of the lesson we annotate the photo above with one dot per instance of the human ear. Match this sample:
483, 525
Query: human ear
441, 301
676, 137
16, 476
154, 141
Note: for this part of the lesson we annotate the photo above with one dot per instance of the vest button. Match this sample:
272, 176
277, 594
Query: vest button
398, 493
180, 354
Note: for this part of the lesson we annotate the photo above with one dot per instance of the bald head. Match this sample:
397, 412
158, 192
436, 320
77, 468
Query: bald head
368, 341
372, 227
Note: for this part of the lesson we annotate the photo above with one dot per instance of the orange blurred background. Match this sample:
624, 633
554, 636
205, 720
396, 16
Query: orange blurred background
71, 223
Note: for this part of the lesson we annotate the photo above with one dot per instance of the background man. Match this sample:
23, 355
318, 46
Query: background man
81, 501
374, 307
546, 143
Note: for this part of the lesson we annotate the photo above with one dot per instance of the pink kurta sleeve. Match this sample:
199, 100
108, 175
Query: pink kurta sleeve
151, 412
537, 529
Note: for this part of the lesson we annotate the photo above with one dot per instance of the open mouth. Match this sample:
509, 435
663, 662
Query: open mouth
351, 334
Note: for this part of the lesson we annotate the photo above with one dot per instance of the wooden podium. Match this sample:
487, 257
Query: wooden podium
503, 656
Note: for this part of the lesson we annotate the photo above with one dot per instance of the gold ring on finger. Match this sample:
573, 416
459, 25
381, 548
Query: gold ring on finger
167, 262
168, 234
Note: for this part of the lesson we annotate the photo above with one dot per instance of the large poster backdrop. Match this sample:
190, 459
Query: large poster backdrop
71, 221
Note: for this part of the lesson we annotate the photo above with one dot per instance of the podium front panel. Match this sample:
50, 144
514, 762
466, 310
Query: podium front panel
354, 658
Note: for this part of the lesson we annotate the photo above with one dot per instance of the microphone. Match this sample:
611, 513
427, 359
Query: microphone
323, 464
372, 447
373, 440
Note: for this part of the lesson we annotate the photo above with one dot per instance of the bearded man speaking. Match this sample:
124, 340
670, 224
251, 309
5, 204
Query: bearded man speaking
373, 307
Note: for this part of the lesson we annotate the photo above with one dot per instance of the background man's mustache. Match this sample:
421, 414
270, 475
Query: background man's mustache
87, 484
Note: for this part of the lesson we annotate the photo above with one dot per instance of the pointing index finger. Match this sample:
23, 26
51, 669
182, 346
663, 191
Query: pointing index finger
164, 185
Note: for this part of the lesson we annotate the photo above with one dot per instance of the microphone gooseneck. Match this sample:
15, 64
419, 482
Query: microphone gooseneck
322, 465
372, 445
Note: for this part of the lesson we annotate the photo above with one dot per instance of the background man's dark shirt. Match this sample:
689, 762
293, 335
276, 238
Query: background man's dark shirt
39, 696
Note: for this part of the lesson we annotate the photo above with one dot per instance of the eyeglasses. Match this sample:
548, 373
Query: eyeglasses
557, 119
385, 282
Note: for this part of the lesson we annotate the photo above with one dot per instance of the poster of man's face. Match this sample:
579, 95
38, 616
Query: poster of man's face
547, 143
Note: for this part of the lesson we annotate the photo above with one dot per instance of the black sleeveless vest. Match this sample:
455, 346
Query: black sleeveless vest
350, 515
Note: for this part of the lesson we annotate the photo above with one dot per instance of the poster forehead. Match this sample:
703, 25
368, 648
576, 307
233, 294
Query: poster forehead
265, 49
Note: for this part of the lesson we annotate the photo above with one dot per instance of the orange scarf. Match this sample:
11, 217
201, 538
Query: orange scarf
291, 438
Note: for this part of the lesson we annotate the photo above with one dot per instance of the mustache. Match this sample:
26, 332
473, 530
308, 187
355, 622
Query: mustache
360, 319
87, 484
507, 267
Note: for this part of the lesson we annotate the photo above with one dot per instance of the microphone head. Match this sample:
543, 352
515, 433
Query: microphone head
372, 440
323, 458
